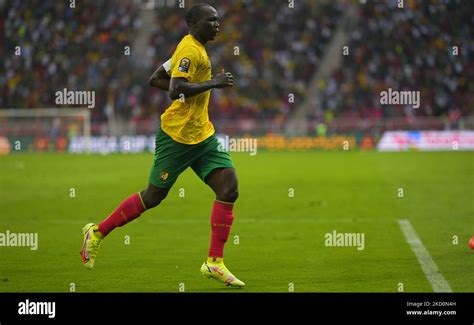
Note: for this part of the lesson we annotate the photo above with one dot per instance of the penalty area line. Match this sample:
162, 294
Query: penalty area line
431, 271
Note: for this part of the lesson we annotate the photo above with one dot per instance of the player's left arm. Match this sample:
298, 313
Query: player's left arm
161, 77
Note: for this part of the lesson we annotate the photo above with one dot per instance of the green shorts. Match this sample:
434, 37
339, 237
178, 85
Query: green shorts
172, 158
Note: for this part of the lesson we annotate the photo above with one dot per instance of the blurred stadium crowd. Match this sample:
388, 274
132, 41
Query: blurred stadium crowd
409, 49
279, 50
62, 47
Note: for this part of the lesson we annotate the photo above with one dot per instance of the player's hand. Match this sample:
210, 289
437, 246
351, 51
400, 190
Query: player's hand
224, 79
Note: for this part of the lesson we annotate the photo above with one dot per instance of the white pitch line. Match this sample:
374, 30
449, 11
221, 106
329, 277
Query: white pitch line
431, 271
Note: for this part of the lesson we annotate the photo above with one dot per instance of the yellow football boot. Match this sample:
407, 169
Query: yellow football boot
214, 268
92, 240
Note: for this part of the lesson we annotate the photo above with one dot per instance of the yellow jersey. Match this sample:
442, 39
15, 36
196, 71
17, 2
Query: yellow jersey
186, 120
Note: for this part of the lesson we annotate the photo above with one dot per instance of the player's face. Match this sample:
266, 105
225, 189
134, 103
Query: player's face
208, 25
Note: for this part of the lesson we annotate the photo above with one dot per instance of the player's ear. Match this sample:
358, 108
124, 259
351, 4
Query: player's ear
194, 25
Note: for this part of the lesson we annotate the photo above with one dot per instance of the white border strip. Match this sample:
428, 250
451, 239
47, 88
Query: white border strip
434, 276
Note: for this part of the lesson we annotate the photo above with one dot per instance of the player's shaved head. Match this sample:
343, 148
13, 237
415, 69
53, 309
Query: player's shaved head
194, 13
203, 22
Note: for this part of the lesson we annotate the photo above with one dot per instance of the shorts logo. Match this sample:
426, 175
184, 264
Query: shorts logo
184, 65
164, 175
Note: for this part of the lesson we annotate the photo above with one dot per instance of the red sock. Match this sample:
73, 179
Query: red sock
130, 209
221, 221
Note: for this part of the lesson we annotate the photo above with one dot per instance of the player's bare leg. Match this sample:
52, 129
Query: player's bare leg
130, 209
224, 183
153, 195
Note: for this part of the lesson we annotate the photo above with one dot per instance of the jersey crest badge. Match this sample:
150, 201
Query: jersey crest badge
184, 65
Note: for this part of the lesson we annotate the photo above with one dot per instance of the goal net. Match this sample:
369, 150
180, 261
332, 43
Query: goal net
42, 129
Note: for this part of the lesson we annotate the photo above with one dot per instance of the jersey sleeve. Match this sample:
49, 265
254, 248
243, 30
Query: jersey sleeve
185, 63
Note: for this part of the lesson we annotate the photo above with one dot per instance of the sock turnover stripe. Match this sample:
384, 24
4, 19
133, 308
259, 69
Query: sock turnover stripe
228, 203
141, 200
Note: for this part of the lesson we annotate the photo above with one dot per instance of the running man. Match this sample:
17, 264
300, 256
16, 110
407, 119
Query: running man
185, 139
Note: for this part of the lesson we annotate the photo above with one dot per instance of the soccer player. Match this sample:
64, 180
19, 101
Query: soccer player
185, 139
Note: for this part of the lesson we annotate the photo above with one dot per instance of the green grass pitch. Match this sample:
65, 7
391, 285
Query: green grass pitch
280, 238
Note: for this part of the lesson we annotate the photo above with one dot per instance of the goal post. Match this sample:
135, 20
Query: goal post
44, 129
